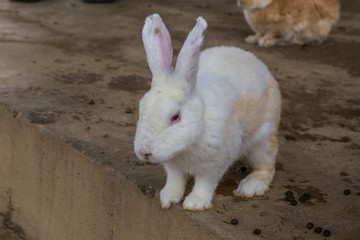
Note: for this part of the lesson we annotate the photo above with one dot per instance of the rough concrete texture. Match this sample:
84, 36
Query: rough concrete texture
71, 75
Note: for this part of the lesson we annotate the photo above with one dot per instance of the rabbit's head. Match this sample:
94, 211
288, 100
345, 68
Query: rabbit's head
171, 112
253, 4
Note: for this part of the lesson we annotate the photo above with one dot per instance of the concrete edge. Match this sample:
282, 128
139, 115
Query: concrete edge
55, 192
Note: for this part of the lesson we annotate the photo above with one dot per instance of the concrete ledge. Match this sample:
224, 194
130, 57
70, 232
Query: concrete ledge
59, 193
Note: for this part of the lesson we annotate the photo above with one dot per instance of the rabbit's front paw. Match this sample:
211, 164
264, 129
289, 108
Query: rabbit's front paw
267, 41
196, 203
251, 186
252, 39
168, 197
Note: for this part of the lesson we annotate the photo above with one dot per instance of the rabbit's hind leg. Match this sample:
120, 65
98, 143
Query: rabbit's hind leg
262, 159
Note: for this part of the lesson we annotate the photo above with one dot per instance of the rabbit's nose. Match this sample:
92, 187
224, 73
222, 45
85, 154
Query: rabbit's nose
146, 152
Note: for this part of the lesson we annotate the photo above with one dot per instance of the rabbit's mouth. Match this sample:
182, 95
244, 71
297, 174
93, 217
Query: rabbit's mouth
146, 156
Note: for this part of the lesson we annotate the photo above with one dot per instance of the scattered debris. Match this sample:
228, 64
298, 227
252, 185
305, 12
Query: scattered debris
257, 231
326, 233
318, 230
225, 206
234, 221
289, 193
310, 225
147, 190
128, 110
290, 198
347, 192
304, 197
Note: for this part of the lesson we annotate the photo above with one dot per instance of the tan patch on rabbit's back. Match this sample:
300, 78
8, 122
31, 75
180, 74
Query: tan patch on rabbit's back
272, 143
245, 115
241, 105
274, 101
250, 112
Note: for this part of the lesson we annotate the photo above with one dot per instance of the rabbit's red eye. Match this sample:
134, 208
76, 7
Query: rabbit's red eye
175, 118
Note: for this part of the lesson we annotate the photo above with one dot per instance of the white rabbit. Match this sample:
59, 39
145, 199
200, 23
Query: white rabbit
198, 118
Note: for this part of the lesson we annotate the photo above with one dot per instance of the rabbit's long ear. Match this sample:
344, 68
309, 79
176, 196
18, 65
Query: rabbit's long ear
157, 45
188, 60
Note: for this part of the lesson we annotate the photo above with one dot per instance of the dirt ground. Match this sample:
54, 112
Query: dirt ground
6, 234
78, 70
9, 230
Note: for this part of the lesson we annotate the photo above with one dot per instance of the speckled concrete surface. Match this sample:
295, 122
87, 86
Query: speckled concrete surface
76, 72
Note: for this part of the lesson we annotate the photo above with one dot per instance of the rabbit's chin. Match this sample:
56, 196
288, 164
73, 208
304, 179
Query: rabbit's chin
153, 160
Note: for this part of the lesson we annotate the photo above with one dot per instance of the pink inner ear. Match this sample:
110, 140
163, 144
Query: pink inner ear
157, 45
165, 53
188, 60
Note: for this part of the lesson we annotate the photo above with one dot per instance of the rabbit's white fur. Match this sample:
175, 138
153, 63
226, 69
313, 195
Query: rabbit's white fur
229, 105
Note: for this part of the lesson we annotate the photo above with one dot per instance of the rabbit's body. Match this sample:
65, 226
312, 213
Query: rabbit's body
230, 125
199, 124
289, 21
